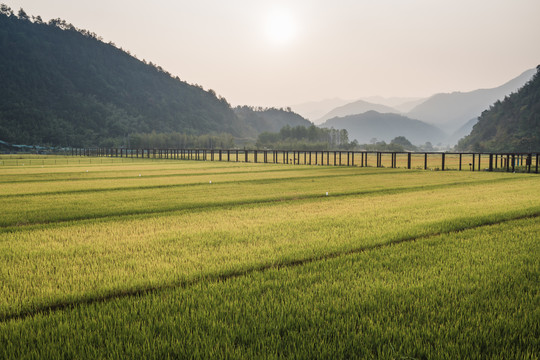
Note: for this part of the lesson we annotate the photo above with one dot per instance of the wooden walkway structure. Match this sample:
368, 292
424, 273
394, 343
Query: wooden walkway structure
511, 162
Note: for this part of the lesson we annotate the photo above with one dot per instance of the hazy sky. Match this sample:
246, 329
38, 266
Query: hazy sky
279, 53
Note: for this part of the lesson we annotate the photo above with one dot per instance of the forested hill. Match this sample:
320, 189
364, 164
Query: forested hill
511, 125
64, 86
269, 119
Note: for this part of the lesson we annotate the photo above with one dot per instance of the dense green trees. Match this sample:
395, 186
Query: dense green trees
511, 125
397, 144
304, 138
63, 86
269, 119
179, 141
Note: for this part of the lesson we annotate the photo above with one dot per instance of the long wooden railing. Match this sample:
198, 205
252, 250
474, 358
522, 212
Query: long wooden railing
511, 162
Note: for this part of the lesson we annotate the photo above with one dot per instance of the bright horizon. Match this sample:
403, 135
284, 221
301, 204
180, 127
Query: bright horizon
283, 53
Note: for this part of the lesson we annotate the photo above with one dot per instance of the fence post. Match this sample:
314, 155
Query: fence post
479, 162
443, 158
409, 160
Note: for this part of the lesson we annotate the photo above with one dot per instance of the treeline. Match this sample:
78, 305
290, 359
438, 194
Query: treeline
315, 138
177, 140
305, 138
397, 144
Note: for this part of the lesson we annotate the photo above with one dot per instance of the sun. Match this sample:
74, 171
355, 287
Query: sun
281, 27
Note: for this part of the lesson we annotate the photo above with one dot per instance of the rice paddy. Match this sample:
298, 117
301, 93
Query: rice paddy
196, 259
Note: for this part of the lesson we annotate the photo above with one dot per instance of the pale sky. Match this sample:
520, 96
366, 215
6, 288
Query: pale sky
280, 53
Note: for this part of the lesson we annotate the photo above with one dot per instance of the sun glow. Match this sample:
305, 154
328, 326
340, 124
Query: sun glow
280, 27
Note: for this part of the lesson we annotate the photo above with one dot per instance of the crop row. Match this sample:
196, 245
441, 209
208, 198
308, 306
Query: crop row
47, 202
471, 294
50, 264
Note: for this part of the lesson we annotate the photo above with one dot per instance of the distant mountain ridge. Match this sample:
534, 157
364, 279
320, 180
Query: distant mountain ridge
401, 104
450, 111
364, 127
314, 110
357, 107
454, 113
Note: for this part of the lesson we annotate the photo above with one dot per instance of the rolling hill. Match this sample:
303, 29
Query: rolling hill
371, 124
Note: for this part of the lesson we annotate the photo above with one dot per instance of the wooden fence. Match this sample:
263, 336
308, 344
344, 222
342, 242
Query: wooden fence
511, 162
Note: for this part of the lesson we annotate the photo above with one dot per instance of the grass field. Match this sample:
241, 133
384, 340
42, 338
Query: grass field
121, 259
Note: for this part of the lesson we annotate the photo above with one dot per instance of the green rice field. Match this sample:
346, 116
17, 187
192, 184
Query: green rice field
137, 258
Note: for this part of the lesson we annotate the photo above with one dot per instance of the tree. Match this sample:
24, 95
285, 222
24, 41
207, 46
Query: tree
402, 140
427, 146
6, 10
343, 137
23, 15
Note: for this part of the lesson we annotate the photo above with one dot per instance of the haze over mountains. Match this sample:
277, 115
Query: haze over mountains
314, 110
451, 111
320, 111
454, 114
357, 107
